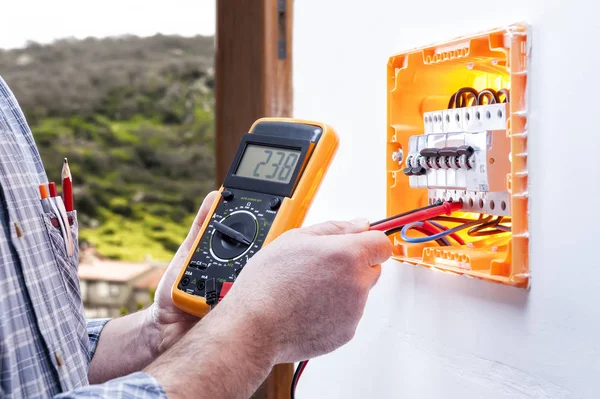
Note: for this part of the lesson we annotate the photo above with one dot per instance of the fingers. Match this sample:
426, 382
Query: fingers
205, 207
200, 216
373, 276
373, 246
337, 228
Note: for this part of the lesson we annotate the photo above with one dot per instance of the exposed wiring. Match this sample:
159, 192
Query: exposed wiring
444, 233
461, 98
455, 236
452, 219
490, 94
477, 231
506, 93
419, 216
429, 230
296, 378
437, 203
493, 226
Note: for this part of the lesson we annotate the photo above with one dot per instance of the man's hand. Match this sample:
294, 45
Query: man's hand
299, 297
306, 291
130, 343
172, 322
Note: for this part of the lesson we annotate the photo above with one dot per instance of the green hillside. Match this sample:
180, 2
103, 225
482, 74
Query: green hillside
134, 116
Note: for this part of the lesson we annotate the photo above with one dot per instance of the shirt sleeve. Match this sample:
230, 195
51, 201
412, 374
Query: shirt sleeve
137, 385
94, 328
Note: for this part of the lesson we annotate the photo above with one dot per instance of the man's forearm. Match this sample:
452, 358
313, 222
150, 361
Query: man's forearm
223, 356
126, 345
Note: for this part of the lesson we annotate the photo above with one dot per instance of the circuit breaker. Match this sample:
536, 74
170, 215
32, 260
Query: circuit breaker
457, 131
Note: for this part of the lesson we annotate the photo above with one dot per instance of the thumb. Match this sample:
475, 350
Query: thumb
337, 228
202, 213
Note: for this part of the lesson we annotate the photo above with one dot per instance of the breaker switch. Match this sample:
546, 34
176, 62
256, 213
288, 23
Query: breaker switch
419, 171
465, 150
429, 152
448, 151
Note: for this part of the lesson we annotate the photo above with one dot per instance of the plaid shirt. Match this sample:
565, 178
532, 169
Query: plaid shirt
46, 345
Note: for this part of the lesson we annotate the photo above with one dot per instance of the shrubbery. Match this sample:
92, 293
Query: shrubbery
135, 118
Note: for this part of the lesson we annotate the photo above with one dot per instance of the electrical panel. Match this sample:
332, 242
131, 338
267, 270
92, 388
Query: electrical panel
457, 131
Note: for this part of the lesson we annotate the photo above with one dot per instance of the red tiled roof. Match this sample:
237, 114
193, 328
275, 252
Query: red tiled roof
151, 279
109, 270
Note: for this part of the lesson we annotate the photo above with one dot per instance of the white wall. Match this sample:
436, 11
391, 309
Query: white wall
432, 335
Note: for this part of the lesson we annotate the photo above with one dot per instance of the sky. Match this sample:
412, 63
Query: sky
44, 21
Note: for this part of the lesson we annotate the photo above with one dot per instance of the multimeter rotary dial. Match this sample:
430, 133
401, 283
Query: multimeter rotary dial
233, 235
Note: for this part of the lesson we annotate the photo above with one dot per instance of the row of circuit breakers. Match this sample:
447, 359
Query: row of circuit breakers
462, 156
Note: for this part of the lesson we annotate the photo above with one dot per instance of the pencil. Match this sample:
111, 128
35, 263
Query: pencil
67, 186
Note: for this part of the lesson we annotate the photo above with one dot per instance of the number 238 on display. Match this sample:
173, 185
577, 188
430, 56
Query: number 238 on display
276, 165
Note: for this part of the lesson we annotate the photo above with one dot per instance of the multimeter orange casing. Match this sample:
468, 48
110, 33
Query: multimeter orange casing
217, 256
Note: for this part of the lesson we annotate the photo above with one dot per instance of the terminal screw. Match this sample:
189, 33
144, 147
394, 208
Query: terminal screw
397, 156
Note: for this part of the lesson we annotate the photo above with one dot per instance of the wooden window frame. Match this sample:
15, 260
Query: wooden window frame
253, 79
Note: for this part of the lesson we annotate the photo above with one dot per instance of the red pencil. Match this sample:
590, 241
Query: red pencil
67, 187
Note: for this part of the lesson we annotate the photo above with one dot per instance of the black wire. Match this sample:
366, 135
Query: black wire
452, 219
477, 230
490, 94
295, 379
437, 203
506, 93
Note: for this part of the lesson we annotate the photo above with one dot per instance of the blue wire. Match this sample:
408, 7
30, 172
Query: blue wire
439, 226
434, 236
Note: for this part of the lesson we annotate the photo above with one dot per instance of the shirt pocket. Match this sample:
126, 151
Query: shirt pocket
68, 265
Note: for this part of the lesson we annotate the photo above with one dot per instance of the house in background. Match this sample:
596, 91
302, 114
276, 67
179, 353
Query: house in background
111, 288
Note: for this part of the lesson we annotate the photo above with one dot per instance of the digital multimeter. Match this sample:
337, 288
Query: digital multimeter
271, 183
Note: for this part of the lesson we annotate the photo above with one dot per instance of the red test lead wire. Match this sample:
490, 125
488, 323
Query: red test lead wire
296, 378
446, 208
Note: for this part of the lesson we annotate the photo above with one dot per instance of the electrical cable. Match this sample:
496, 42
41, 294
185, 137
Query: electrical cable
455, 236
423, 214
296, 378
506, 93
494, 225
452, 219
429, 229
490, 94
465, 100
475, 233
463, 95
435, 236
437, 203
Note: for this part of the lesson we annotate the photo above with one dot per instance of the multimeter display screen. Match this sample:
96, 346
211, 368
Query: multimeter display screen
268, 163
